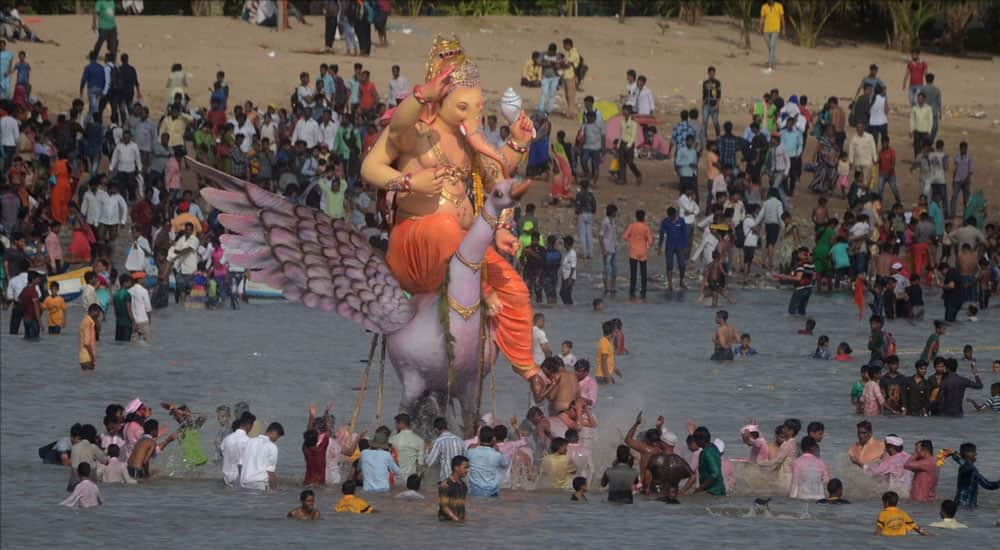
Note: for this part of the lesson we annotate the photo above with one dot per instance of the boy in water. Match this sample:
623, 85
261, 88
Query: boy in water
566, 354
412, 491
225, 419
307, 507
55, 306
948, 510
115, 470
991, 404
834, 488
606, 355
85, 493
872, 401
715, 279
88, 336
893, 522
933, 344
745, 349
725, 337
350, 503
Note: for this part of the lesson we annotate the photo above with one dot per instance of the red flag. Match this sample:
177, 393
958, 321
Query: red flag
859, 296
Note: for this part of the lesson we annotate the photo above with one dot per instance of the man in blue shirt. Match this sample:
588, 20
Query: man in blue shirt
686, 163
377, 464
675, 230
791, 140
486, 465
93, 80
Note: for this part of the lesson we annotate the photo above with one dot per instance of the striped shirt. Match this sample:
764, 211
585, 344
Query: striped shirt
993, 403
446, 447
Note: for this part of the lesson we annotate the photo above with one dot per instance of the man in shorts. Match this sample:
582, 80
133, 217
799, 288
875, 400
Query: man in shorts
88, 337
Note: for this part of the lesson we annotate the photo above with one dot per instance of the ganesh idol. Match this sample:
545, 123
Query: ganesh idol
432, 155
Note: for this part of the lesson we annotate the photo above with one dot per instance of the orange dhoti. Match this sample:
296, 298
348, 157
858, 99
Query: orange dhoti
419, 252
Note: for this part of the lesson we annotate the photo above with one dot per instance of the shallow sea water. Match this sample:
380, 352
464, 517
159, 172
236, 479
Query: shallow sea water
280, 356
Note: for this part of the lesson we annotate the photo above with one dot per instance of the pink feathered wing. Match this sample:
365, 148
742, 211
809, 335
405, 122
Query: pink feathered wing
310, 257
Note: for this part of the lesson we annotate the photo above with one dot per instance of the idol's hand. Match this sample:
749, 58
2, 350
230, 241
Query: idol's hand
523, 130
434, 89
507, 243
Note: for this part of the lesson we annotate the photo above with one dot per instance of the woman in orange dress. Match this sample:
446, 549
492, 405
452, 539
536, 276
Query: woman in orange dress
62, 192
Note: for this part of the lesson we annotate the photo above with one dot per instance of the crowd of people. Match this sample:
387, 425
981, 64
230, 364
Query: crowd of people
87, 177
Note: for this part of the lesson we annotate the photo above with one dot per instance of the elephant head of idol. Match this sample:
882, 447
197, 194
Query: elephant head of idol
461, 108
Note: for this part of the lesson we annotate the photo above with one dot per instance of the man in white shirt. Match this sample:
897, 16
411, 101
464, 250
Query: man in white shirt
644, 103
631, 90
126, 164
90, 206
329, 123
9, 131
184, 257
377, 464
259, 460
307, 130
233, 446
567, 270
688, 209
539, 341
138, 252
399, 86
114, 212
304, 92
141, 308
245, 128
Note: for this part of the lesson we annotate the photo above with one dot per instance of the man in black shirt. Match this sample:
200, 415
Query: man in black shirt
585, 205
953, 389
711, 93
951, 291
128, 87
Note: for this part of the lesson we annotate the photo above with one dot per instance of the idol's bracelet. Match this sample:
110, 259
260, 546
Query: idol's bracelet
418, 94
506, 219
399, 183
522, 149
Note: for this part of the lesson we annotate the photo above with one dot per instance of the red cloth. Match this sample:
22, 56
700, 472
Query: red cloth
859, 296
316, 463
62, 192
917, 70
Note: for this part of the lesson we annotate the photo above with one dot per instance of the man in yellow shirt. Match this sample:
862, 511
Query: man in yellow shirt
893, 522
606, 356
570, 81
772, 24
531, 75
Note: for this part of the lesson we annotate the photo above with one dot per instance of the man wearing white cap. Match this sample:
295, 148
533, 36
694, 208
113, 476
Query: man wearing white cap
901, 284
891, 467
136, 414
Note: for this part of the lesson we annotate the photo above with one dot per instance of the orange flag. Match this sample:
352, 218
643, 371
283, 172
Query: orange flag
859, 296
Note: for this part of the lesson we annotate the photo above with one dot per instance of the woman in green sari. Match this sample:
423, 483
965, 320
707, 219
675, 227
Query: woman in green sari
976, 208
821, 256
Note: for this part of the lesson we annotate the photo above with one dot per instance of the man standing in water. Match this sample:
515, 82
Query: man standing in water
710, 478
260, 460
725, 337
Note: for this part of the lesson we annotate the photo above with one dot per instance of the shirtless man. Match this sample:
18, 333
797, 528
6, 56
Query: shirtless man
968, 266
646, 447
564, 387
715, 280
666, 469
145, 449
307, 511
726, 336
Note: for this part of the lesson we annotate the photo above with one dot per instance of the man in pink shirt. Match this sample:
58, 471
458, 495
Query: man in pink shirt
892, 466
639, 239
809, 473
758, 445
586, 383
925, 472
